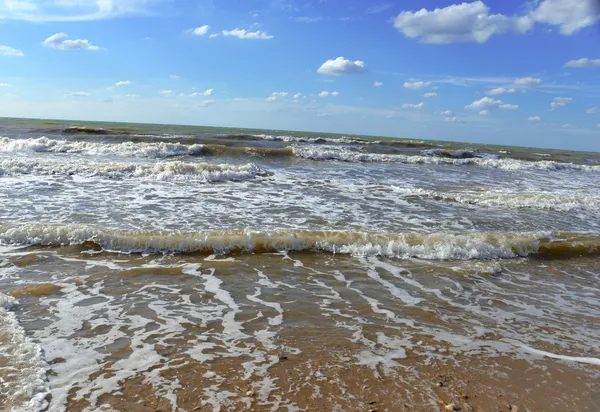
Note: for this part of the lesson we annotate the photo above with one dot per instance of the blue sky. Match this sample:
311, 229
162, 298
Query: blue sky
507, 72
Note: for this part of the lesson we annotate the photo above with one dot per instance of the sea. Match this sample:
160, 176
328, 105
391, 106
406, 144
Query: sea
177, 268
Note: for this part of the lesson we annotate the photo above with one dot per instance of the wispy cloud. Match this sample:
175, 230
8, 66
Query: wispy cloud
379, 8
307, 19
71, 10
79, 94
123, 83
10, 51
246, 35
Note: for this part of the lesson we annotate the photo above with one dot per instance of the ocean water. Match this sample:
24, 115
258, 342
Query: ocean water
175, 268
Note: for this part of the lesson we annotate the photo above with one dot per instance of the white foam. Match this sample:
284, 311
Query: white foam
323, 153
578, 359
203, 172
129, 149
22, 365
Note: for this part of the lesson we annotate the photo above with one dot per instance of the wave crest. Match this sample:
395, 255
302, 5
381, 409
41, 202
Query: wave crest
433, 246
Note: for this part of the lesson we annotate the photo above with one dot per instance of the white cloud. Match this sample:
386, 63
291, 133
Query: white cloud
560, 102
10, 51
4, 84
208, 92
464, 22
315, 19
205, 103
486, 104
277, 96
60, 41
327, 94
534, 118
484, 112
299, 96
70, 10
342, 67
378, 84
174, 77
472, 22
427, 95
200, 31
123, 83
79, 94
584, 63
166, 92
413, 106
592, 110
569, 15
452, 119
244, 34
501, 90
131, 96
416, 85
528, 81
448, 113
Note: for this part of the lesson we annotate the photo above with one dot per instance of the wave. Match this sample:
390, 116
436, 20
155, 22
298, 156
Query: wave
544, 201
133, 149
204, 172
457, 157
22, 366
433, 246
497, 163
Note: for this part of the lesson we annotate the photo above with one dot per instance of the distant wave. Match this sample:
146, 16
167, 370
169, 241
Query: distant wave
498, 163
434, 246
204, 172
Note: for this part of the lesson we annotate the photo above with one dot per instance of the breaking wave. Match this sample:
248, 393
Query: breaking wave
433, 246
204, 172
498, 163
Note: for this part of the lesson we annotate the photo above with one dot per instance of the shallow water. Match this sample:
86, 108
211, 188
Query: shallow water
148, 267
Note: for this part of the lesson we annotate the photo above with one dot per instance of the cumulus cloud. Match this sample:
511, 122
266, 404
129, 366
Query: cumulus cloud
501, 90
200, 31
584, 63
10, 51
416, 85
277, 96
486, 104
299, 96
166, 92
534, 118
342, 67
466, 22
592, 110
569, 15
413, 106
79, 94
378, 84
528, 82
61, 41
327, 94
560, 102
123, 83
472, 22
246, 35
448, 113
70, 10
428, 95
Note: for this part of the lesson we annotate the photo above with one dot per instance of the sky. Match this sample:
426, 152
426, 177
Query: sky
510, 72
